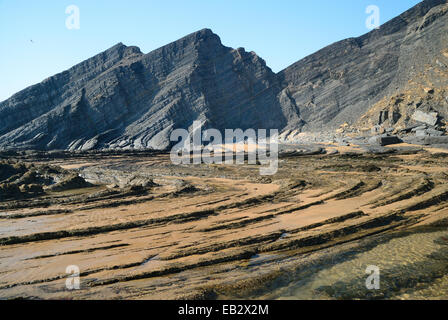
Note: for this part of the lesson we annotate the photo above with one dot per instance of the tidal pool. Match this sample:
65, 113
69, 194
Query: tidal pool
412, 265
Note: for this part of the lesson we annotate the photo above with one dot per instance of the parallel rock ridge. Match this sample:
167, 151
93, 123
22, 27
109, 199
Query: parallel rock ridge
124, 99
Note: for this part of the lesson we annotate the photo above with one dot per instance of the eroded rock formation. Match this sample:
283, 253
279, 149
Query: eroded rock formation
124, 99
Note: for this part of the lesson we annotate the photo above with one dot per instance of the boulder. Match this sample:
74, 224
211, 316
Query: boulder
418, 128
427, 140
436, 140
410, 128
429, 133
384, 140
430, 118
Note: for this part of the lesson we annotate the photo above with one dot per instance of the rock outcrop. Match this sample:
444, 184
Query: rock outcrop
124, 99
343, 81
384, 140
428, 118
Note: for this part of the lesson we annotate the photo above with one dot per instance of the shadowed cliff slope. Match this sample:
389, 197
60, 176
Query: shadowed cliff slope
341, 82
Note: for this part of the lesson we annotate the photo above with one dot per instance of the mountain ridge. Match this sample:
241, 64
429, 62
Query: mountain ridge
123, 98
339, 83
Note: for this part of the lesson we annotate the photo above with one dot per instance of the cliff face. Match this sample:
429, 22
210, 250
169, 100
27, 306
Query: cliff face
341, 82
421, 80
122, 98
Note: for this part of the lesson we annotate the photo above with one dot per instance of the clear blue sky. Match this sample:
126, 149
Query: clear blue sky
35, 43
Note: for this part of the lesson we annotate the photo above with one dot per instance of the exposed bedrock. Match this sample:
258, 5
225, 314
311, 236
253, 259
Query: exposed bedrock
124, 99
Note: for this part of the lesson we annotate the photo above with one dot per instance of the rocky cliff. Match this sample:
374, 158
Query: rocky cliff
124, 99
342, 82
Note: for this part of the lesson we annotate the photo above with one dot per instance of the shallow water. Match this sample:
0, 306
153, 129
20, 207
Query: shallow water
412, 266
